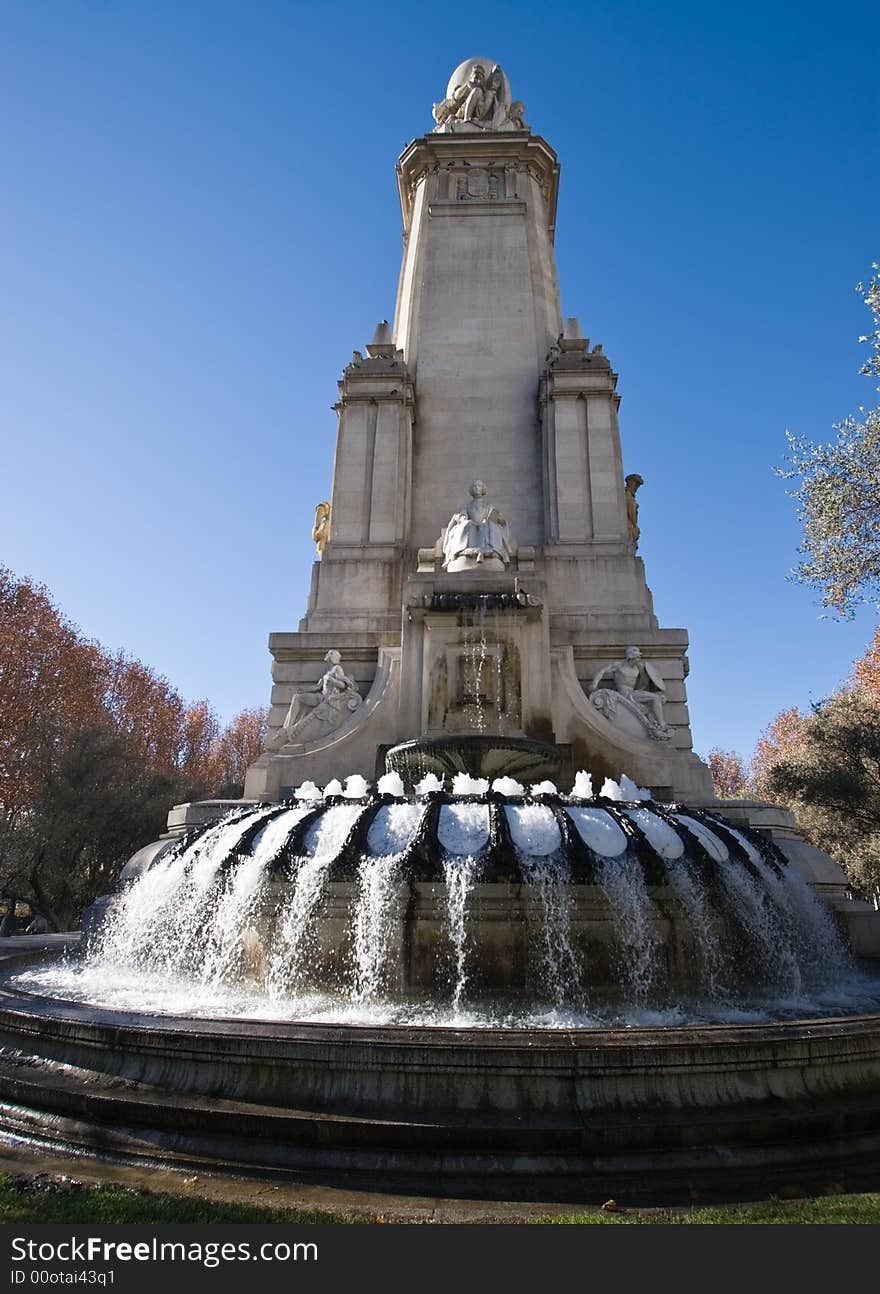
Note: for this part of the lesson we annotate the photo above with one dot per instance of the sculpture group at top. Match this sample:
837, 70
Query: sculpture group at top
477, 99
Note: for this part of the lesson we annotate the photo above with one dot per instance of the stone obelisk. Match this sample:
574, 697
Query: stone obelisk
479, 382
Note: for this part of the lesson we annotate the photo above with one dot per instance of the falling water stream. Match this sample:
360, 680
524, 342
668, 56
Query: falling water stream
234, 921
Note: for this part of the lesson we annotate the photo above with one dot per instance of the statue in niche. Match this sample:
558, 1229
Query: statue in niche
321, 528
478, 537
632, 483
632, 689
320, 709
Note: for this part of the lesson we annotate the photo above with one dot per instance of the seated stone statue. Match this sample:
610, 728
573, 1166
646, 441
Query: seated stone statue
478, 537
478, 103
481, 103
322, 707
632, 689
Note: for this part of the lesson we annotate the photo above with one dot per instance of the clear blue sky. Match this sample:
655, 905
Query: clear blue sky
200, 222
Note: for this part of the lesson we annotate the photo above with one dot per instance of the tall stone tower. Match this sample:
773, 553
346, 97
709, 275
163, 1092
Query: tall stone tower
517, 605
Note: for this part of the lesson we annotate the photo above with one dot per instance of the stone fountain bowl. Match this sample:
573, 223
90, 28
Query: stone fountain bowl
479, 755
568, 1113
649, 1115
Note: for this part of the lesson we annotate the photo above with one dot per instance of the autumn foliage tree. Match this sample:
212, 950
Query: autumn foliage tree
235, 749
93, 749
825, 766
729, 776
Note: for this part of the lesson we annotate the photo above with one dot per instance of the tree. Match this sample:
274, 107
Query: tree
825, 767
831, 781
729, 777
781, 741
93, 750
236, 748
839, 497
50, 681
100, 804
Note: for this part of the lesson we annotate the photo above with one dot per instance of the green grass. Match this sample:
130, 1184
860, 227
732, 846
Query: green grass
48, 1199
830, 1208
44, 1198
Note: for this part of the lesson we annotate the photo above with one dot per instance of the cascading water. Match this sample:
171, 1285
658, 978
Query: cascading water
538, 840
475, 668
702, 927
490, 905
296, 930
379, 881
463, 832
626, 891
164, 916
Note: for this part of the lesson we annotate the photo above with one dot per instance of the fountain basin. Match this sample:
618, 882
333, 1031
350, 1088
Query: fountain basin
498, 1113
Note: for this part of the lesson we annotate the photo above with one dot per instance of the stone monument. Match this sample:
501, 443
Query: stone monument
479, 379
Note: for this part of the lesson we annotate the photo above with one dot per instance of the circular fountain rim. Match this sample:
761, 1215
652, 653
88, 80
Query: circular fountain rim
597, 1036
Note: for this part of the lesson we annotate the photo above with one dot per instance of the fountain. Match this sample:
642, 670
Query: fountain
446, 938
485, 906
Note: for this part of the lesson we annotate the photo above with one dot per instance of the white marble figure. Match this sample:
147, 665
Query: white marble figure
629, 689
324, 706
478, 537
477, 99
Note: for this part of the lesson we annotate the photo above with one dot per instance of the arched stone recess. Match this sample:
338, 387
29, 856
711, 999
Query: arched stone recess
351, 748
605, 751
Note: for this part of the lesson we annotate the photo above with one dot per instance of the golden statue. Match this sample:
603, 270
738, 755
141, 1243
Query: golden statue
632, 483
321, 528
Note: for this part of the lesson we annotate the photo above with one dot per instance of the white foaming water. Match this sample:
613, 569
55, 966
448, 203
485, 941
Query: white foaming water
623, 883
715, 848
759, 917
534, 829
543, 788
159, 919
508, 786
629, 790
295, 933
391, 784
393, 828
307, 791
430, 782
126, 929
700, 925
611, 789
460, 873
599, 831
464, 784
561, 969
660, 835
161, 994
821, 952
233, 910
333, 787
374, 923
463, 828
356, 787
583, 786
